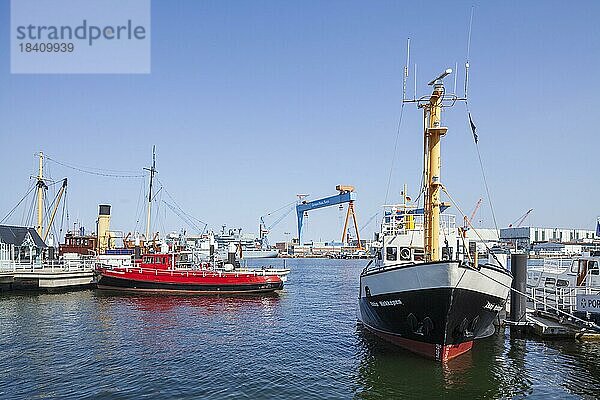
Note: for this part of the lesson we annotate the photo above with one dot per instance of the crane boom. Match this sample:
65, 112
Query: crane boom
58, 197
520, 220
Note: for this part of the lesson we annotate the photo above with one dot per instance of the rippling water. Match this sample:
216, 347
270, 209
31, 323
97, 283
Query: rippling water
304, 343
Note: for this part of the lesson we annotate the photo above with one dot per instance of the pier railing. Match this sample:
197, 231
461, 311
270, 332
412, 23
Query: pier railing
48, 266
551, 298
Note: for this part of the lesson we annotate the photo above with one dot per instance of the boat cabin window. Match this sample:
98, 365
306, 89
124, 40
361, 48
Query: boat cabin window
582, 269
391, 253
574, 267
562, 283
550, 282
419, 255
148, 260
593, 268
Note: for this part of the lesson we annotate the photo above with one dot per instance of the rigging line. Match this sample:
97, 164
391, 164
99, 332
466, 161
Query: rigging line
186, 219
87, 171
178, 206
18, 204
183, 218
137, 206
455, 204
387, 191
487, 190
29, 220
281, 208
116, 171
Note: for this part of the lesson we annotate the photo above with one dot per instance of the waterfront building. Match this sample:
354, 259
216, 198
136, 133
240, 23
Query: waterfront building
21, 245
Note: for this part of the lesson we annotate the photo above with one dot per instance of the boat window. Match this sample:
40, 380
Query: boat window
582, 267
391, 253
574, 267
148, 260
419, 255
550, 282
562, 283
593, 266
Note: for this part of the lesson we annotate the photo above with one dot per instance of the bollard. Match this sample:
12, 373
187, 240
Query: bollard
518, 267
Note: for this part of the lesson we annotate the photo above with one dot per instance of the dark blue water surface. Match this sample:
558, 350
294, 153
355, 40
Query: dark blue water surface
304, 344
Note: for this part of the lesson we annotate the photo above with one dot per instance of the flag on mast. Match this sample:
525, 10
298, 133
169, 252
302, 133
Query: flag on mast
473, 128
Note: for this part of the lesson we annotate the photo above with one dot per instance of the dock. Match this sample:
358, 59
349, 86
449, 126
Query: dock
548, 326
47, 277
549, 312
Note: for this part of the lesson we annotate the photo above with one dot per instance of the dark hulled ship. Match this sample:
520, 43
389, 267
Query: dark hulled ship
432, 299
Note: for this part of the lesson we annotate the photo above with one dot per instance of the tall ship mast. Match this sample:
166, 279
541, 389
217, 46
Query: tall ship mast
152, 171
430, 299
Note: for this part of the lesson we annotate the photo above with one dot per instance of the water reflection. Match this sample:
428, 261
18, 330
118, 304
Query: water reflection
566, 365
386, 371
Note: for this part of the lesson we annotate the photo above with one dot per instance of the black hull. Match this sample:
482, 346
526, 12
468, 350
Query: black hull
443, 316
434, 309
111, 283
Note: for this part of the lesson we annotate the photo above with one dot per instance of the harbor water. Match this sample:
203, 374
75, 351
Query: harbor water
304, 343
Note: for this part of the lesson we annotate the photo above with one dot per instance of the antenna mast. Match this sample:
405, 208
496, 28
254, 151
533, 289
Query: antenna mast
406, 69
468, 53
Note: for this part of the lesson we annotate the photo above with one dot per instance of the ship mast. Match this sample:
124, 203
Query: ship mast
433, 134
40, 195
149, 211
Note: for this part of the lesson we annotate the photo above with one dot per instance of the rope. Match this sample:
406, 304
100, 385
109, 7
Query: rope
18, 204
487, 190
108, 173
470, 226
387, 190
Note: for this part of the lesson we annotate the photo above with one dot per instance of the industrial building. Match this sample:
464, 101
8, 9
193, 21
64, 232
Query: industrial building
525, 237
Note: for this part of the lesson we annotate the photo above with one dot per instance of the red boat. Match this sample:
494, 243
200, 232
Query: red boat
160, 273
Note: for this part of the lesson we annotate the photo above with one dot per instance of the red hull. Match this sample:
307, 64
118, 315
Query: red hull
187, 281
438, 352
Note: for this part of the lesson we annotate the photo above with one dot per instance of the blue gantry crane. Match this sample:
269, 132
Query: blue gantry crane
346, 195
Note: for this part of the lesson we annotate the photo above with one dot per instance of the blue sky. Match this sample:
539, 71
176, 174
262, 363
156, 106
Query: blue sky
250, 103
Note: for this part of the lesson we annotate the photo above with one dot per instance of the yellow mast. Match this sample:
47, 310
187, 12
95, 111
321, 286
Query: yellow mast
433, 134
40, 195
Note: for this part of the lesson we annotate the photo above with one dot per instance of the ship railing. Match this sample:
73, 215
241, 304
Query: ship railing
198, 271
7, 266
399, 224
552, 299
551, 263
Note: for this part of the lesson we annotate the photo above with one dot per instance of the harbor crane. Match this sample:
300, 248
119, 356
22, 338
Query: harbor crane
346, 195
520, 220
470, 219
